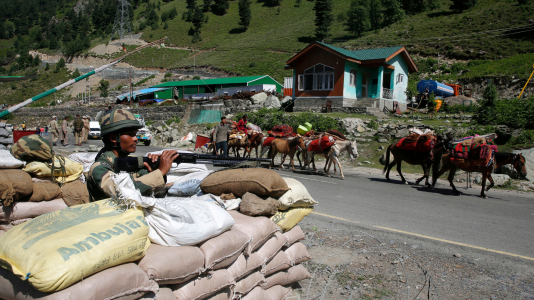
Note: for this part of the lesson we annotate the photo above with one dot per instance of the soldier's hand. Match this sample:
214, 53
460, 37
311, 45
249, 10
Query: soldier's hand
154, 157
166, 159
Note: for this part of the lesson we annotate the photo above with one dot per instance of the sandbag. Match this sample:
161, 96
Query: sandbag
289, 218
294, 274
245, 265
33, 148
164, 293
260, 229
252, 205
86, 159
203, 286
20, 221
14, 185
75, 193
223, 250
297, 196
8, 161
294, 235
225, 294
45, 191
77, 241
272, 246
126, 281
182, 221
278, 292
297, 253
185, 168
245, 285
5, 226
189, 184
262, 182
25, 210
278, 263
72, 171
256, 294
171, 265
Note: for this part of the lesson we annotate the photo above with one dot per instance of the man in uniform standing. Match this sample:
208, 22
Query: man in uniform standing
78, 129
85, 131
64, 137
54, 129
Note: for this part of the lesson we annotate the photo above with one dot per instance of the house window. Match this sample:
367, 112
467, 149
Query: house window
318, 77
352, 80
400, 78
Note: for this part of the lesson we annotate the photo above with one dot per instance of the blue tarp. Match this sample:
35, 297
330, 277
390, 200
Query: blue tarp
200, 116
155, 100
141, 92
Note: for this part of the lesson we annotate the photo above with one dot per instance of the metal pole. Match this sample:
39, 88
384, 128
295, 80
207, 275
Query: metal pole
526, 83
131, 87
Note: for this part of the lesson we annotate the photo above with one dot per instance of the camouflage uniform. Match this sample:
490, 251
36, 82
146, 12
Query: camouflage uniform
78, 128
100, 185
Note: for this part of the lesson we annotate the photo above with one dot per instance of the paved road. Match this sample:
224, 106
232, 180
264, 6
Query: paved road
503, 222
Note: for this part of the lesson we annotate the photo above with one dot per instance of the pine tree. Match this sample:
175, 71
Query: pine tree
76, 73
165, 26
358, 17
198, 20
61, 63
244, 13
490, 95
220, 6
461, 5
375, 14
103, 88
393, 11
297, 4
207, 4
47, 67
323, 18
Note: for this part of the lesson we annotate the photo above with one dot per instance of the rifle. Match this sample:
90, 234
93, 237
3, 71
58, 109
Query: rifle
133, 164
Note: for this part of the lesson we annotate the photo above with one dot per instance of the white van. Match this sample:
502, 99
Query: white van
94, 130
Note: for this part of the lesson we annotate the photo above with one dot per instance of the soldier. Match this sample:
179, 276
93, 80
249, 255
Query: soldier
64, 137
85, 131
78, 128
119, 134
54, 129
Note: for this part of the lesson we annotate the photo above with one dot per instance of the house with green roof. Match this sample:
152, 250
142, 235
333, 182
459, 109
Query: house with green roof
360, 78
217, 86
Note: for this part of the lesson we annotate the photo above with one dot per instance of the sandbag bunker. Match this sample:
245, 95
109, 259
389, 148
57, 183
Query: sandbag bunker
229, 234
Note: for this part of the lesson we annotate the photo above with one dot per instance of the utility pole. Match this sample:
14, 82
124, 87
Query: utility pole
122, 20
131, 86
438, 65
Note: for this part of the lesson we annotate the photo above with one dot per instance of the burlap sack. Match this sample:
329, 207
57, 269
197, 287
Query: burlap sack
25, 210
297, 253
256, 294
294, 235
278, 263
260, 229
294, 274
164, 293
122, 282
45, 191
75, 193
223, 250
225, 294
14, 185
262, 182
171, 265
245, 285
252, 205
268, 250
278, 292
244, 266
203, 286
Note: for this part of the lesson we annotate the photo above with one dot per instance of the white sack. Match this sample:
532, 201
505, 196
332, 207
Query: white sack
8, 161
188, 185
84, 158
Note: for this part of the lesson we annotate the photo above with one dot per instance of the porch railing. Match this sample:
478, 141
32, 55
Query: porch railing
387, 93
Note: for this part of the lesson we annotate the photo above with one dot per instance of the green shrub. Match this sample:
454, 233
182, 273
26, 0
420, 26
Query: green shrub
168, 75
171, 120
514, 113
458, 108
196, 77
373, 124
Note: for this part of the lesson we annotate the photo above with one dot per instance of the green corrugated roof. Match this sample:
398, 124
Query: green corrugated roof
365, 54
226, 80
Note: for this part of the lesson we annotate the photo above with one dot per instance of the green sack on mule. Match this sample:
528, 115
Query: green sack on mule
33, 147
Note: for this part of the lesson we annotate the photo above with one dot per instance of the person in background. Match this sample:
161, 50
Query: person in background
78, 128
46, 130
64, 125
220, 136
242, 124
41, 131
54, 130
85, 131
23, 125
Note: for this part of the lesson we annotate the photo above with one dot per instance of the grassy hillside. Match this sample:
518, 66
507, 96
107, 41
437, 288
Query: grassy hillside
276, 33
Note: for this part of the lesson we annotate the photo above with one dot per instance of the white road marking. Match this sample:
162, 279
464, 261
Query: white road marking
308, 178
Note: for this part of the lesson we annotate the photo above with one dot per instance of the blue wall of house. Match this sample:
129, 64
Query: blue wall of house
351, 92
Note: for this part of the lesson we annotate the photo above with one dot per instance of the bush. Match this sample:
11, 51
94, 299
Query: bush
171, 120
458, 108
525, 137
514, 113
196, 77
168, 75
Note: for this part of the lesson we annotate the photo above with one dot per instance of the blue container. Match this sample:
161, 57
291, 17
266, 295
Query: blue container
439, 89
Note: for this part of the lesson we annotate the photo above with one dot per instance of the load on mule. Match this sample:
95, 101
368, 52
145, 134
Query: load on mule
475, 154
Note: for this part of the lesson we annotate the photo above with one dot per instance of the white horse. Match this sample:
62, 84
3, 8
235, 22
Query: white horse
332, 156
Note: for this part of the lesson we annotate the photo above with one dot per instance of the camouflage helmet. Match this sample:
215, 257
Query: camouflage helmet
117, 120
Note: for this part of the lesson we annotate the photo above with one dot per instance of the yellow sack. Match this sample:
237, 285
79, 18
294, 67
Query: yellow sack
290, 218
58, 249
73, 170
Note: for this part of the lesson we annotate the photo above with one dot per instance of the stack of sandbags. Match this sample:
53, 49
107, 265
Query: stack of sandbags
295, 204
5, 137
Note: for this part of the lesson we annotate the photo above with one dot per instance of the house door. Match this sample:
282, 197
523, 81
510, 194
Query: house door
386, 81
365, 84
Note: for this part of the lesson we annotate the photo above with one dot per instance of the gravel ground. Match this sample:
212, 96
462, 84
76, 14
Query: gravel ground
351, 262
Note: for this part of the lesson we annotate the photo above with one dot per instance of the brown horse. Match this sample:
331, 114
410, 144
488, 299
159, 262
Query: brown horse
285, 147
255, 140
413, 158
237, 144
517, 160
